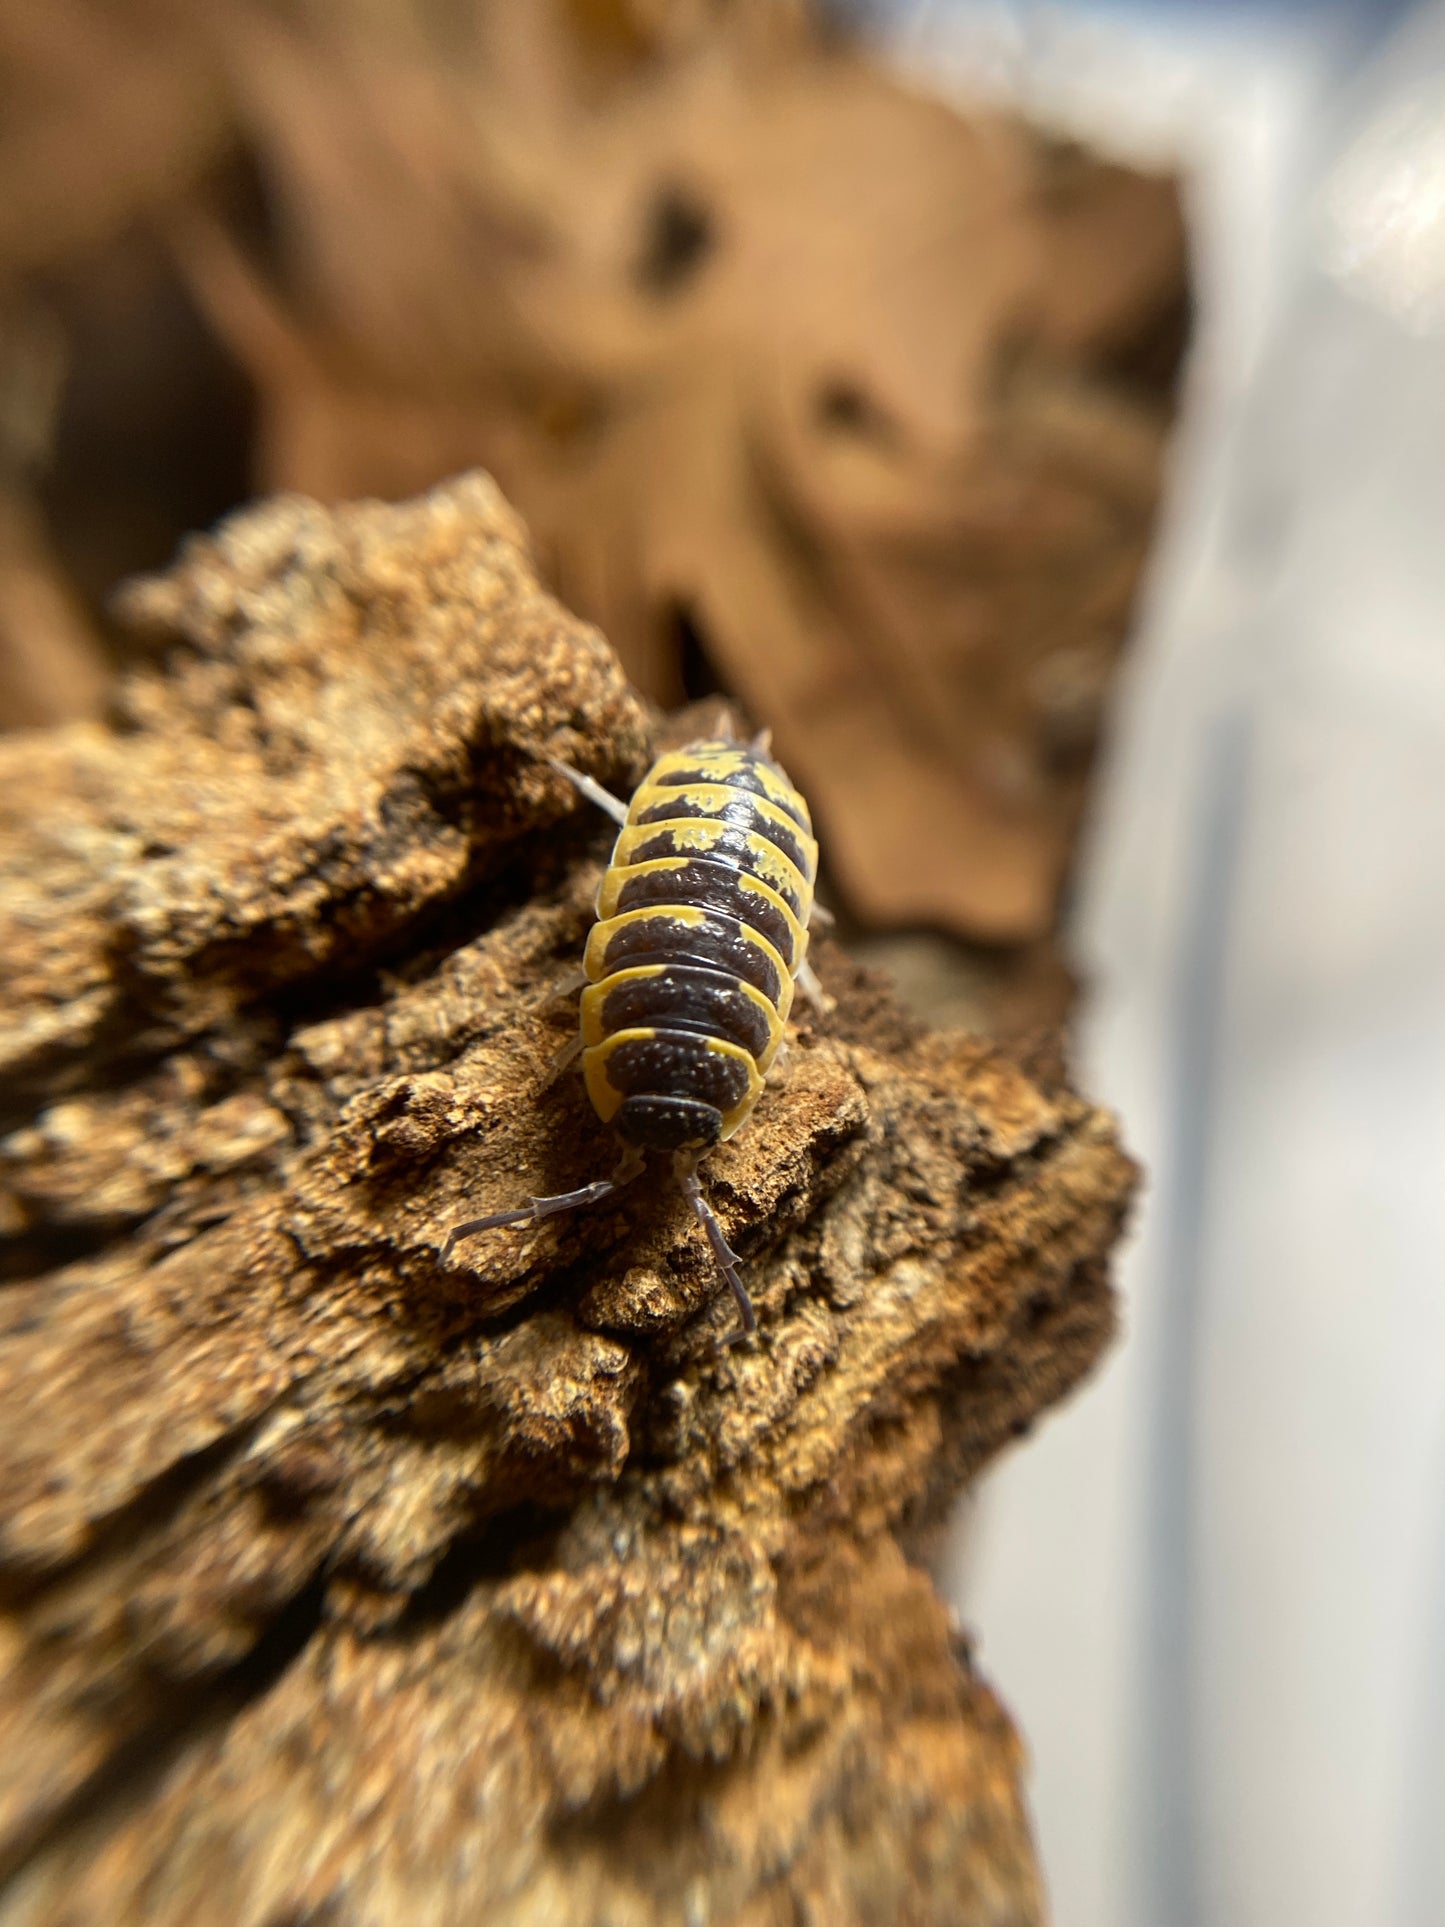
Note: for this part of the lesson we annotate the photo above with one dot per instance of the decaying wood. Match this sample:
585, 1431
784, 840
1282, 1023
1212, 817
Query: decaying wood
341, 1585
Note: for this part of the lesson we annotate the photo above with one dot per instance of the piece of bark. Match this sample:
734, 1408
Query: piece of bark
344, 1585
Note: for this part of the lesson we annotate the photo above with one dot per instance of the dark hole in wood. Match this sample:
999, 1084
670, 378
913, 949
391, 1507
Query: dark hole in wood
156, 427
678, 236
696, 667
1146, 362
843, 407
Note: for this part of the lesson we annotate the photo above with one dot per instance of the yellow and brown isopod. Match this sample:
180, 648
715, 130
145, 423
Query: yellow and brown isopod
702, 933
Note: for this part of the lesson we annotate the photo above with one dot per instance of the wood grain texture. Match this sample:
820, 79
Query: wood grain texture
344, 1587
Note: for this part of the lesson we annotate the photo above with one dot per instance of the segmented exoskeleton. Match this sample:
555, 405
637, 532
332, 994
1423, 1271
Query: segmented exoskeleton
702, 932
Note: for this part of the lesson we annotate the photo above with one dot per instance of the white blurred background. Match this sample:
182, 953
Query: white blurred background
1213, 1588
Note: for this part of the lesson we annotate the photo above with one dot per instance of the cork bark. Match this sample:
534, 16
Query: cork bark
344, 1586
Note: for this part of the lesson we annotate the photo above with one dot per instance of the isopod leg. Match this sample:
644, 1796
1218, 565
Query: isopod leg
563, 1060
724, 1256
814, 992
537, 1208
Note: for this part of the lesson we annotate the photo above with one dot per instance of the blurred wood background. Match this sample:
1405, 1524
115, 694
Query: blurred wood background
811, 390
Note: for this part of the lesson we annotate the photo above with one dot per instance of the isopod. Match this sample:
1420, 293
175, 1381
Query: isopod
702, 934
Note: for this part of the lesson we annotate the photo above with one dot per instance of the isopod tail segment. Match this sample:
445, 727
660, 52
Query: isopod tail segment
702, 936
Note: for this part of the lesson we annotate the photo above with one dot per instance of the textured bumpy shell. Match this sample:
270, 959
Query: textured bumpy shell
703, 927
